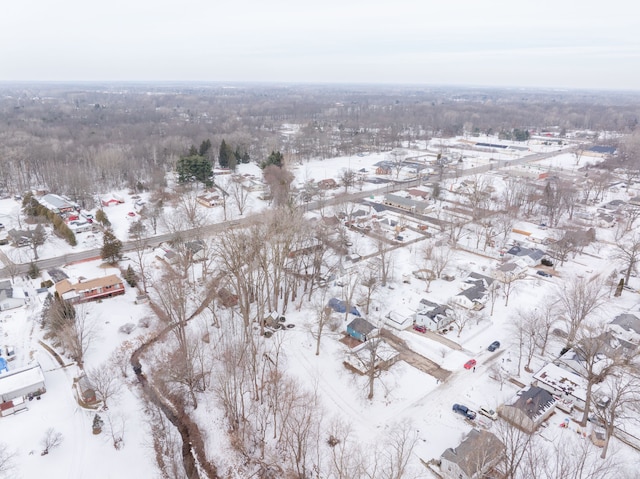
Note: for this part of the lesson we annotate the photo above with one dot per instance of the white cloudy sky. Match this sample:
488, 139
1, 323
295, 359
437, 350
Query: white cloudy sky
560, 43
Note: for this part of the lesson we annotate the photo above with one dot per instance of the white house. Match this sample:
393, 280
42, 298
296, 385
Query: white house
432, 316
512, 269
10, 296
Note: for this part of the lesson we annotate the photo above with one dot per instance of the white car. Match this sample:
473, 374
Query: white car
490, 413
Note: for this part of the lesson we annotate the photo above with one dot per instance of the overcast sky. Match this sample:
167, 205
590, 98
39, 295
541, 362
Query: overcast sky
560, 43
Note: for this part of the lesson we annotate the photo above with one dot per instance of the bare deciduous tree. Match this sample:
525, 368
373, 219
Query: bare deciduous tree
460, 317
347, 458
391, 458
7, 461
51, 440
622, 392
579, 298
105, 382
78, 335
240, 196
629, 252
116, 426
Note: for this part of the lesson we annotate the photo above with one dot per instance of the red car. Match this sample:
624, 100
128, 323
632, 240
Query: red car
470, 364
420, 328
131, 213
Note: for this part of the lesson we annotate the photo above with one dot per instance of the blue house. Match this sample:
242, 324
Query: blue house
361, 329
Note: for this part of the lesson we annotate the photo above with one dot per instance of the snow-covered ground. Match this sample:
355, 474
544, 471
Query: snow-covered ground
403, 393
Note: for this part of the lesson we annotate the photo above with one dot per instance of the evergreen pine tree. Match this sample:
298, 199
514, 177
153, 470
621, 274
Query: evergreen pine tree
111, 248
223, 155
130, 277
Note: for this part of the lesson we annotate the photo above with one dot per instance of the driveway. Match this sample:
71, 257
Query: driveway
416, 360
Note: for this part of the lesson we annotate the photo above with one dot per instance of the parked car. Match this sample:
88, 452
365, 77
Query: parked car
544, 274
490, 413
1, 226
131, 213
420, 328
465, 411
470, 364
493, 346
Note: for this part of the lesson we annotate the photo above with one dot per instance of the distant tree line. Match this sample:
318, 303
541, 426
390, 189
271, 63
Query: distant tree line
80, 140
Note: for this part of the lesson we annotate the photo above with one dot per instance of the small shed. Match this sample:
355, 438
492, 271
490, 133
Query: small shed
597, 437
86, 390
361, 329
399, 318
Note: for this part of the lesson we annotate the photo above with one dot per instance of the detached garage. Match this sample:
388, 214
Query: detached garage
21, 383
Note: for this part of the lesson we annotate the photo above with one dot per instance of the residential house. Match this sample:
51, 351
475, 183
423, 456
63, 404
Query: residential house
19, 237
607, 346
80, 226
210, 200
22, 382
57, 204
431, 315
475, 290
196, 250
166, 254
626, 326
568, 387
361, 329
90, 290
510, 270
11, 296
475, 456
605, 220
529, 408
531, 257
362, 360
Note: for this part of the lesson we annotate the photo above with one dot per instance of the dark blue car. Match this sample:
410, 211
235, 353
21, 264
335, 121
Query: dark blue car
493, 346
465, 411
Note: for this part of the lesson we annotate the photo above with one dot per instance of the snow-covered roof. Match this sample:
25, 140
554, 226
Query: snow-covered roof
628, 322
562, 380
533, 401
20, 379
